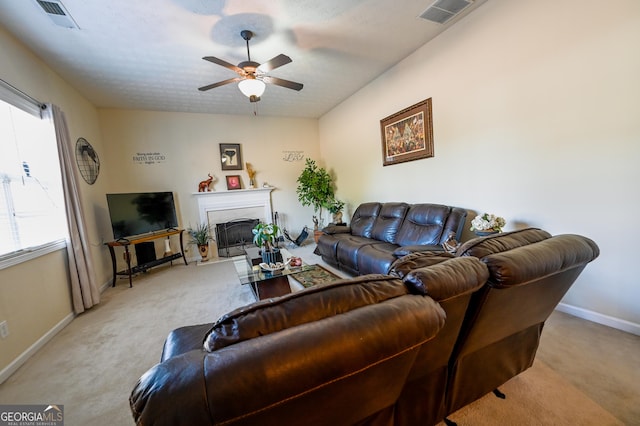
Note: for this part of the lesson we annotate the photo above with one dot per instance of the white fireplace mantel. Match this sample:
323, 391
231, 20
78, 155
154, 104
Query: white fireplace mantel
233, 200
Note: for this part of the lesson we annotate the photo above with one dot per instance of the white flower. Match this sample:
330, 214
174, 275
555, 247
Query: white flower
487, 222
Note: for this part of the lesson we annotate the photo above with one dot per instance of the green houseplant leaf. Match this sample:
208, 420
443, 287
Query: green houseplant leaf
315, 186
200, 235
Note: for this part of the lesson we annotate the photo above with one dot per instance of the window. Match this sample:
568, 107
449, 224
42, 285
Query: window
32, 211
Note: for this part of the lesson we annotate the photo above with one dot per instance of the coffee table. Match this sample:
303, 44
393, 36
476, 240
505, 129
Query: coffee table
265, 284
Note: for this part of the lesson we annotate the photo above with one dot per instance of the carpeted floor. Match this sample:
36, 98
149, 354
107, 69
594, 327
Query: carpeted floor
538, 396
92, 365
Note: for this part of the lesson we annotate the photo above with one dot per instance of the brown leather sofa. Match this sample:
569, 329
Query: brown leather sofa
372, 350
329, 355
529, 273
381, 233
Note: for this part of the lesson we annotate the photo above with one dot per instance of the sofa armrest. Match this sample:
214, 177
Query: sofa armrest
405, 250
448, 279
336, 229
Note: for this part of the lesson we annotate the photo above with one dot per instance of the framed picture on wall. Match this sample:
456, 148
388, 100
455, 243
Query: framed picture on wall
408, 134
230, 156
233, 182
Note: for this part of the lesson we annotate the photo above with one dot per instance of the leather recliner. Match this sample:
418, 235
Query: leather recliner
381, 233
529, 273
331, 354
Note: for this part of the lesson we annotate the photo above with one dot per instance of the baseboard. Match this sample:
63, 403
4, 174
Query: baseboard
17, 363
596, 317
105, 286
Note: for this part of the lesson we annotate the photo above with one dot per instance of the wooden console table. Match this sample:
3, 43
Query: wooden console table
126, 242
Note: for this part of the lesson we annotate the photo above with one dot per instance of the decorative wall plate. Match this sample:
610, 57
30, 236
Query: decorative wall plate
87, 160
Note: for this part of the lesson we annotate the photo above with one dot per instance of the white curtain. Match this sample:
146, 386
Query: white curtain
84, 291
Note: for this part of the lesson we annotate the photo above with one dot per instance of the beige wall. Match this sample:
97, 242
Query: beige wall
189, 144
34, 297
535, 107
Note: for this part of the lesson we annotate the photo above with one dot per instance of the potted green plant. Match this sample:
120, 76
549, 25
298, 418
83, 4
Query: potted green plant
264, 236
335, 207
315, 188
200, 236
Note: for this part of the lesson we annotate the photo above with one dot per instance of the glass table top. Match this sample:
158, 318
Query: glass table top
249, 273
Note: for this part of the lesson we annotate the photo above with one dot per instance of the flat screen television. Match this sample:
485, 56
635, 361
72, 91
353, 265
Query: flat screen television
141, 213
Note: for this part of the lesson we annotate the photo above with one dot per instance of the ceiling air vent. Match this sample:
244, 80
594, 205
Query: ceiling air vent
443, 10
58, 13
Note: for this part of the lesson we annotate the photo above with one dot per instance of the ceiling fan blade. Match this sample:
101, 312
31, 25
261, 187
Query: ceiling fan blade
224, 64
274, 63
218, 84
282, 82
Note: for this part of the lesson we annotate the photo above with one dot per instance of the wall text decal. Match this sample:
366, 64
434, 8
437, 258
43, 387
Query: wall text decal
149, 158
293, 155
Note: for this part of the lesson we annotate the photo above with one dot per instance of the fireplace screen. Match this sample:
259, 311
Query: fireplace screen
233, 236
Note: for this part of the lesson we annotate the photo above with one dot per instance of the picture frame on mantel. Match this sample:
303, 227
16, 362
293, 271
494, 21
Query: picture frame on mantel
233, 182
230, 156
407, 135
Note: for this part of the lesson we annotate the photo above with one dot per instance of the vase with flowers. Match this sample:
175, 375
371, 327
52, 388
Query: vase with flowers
264, 236
487, 224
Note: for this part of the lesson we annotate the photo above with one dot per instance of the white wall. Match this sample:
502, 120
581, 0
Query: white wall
190, 145
535, 107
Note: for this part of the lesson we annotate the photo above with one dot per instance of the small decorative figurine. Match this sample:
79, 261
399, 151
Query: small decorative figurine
205, 185
252, 175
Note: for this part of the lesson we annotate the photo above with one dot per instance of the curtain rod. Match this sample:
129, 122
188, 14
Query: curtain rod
19, 92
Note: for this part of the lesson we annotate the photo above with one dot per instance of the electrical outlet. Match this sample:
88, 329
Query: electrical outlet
4, 329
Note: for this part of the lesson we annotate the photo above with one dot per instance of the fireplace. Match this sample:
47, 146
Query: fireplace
219, 208
232, 237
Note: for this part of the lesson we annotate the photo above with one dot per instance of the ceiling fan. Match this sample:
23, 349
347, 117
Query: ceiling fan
252, 75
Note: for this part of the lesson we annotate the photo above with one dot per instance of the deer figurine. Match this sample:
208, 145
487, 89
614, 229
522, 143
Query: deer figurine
205, 185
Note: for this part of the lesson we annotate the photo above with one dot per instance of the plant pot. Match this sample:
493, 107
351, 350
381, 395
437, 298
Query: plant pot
203, 249
272, 256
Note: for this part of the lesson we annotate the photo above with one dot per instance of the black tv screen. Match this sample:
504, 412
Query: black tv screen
141, 213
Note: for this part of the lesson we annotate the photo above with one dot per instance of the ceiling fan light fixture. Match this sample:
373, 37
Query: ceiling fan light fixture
251, 87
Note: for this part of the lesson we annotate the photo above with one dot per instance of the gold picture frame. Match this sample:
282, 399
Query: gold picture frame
407, 135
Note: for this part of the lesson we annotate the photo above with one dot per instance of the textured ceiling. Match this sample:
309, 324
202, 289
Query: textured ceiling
148, 54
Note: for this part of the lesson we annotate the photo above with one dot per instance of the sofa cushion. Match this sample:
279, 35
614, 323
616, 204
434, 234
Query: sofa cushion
363, 219
423, 224
376, 258
315, 303
348, 248
385, 227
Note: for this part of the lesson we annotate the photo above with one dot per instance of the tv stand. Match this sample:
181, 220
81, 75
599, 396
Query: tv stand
126, 242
